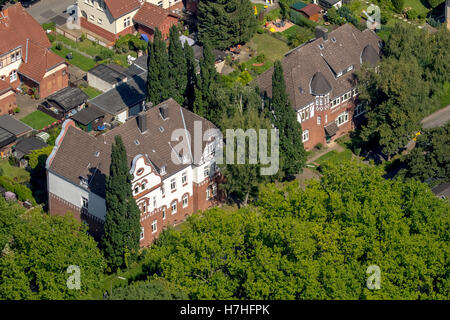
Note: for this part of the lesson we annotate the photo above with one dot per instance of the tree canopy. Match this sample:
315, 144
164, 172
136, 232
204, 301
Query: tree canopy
314, 244
224, 23
36, 250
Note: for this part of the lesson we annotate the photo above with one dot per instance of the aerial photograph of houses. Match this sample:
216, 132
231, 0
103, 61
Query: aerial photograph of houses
214, 150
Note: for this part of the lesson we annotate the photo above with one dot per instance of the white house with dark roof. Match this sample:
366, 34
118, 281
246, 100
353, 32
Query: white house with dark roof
170, 179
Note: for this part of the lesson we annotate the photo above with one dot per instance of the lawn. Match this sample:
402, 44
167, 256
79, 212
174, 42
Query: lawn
38, 120
445, 98
14, 173
417, 5
91, 92
272, 48
335, 157
291, 31
77, 60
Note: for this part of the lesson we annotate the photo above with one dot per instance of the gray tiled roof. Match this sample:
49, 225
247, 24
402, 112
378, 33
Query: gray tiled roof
108, 73
342, 50
87, 115
123, 96
69, 98
76, 156
14, 126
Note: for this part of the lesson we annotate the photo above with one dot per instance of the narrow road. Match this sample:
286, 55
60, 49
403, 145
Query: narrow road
437, 118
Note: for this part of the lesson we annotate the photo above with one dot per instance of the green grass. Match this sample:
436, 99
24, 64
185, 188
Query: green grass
417, 5
14, 173
77, 60
91, 92
272, 48
291, 31
445, 97
335, 157
38, 120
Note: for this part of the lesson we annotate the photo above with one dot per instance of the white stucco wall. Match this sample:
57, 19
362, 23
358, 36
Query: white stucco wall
73, 194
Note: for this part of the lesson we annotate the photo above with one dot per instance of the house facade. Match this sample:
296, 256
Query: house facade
25, 57
169, 181
106, 20
150, 17
321, 82
7, 98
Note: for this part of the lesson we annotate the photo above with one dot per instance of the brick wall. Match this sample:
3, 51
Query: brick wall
8, 104
317, 131
53, 83
164, 28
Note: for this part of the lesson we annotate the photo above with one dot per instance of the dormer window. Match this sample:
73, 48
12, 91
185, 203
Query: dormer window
136, 142
320, 46
333, 39
349, 68
338, 74
163, 170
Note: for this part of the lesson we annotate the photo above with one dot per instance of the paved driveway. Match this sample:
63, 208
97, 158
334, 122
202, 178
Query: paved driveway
45, 10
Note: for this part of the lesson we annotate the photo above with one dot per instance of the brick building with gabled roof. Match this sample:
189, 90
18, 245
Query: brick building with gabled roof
321, 82
25, 57
149, 17
168, 185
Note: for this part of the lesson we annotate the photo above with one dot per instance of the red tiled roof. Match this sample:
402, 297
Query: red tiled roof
4, 86
17, 26
39, 61
120, 7
311, 9
152, 16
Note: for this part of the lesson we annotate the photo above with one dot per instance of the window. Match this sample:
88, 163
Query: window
99, 21
342, 118
174, 207
350, 68
319, 119
92, 17
355, 91
142, 234
164, 213
206, 172
154, 226
173, 184
184, 178
338, 74
346, 96
154, 202
163, 170
144, 208
163, 191
143, 186
185, 201
84, 203
136, 190
359, 109
214, 189
13, 76
326, 119
126, 22
304, 114
305, 135
208, 193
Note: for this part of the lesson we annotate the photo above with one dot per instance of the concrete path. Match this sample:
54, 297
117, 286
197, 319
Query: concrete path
330, 147
45, 10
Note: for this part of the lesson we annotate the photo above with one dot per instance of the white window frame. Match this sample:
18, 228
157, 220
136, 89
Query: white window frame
208, 193
126, 22
164, 213
84, 203
305, 135
319, 120
184, 178
206, 171
342, 115
214, 189
13, 76
173, 184
154, 226
185, 201
142, 235
172, 205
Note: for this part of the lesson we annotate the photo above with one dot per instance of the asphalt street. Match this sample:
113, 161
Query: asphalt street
46, 10
437, 119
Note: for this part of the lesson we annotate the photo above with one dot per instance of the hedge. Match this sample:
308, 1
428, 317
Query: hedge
21, 191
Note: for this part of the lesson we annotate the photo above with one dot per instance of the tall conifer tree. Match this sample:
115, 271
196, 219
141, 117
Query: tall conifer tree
191, 77
122, 228
177, 66
158, 82
292, 152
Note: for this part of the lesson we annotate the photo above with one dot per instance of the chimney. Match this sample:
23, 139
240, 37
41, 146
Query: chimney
322, 32
142, 121
164, 111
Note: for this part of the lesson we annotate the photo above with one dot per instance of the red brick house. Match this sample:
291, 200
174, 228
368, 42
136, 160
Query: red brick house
321, 82
25, 56
149, 17
166, 191
7, 98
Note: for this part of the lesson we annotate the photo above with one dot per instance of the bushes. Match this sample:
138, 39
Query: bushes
130, 42
105, 54
301, 20
412, 14
398, 5
21, 191
49, 26
346, 13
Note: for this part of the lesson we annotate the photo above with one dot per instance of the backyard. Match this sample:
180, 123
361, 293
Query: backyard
14, 173
38, 120
91, 92
272, 48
